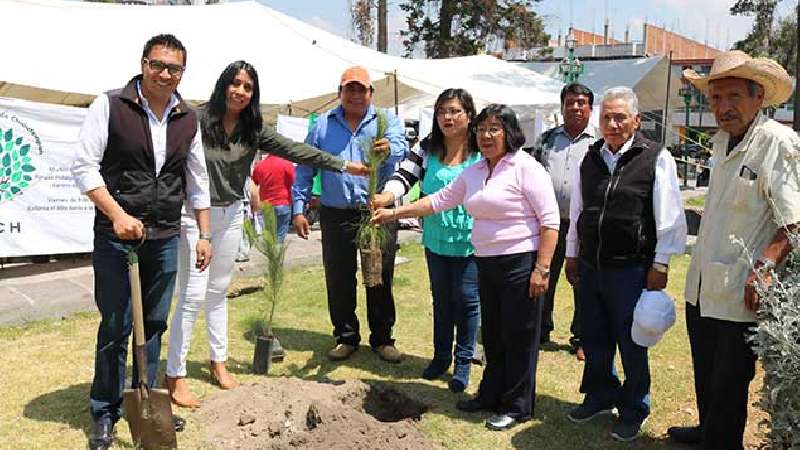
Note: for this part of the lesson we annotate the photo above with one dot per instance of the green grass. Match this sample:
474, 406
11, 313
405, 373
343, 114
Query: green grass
48, 369
699, 201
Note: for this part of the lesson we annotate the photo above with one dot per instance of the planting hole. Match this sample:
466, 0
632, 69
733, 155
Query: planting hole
388, 405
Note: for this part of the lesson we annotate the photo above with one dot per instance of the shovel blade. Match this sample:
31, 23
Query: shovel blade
150, 418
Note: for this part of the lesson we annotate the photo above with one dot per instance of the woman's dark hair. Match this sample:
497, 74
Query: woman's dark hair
250, 120
436, 138
508, 118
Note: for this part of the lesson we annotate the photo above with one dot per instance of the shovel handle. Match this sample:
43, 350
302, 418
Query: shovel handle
138, 315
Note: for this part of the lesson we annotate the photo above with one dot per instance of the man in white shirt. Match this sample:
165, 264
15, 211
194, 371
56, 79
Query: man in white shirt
626, 220
138, 156
753, 197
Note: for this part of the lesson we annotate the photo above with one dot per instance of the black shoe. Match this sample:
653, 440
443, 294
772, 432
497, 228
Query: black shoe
686, 435
627, 432
102, 435
502, 422
574, 345
585, 413
456, 386
435, 369
460, 378
180, 423
471, 405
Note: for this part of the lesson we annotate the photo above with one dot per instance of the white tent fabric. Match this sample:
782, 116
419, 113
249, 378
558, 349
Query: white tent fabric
94, 47
647, 76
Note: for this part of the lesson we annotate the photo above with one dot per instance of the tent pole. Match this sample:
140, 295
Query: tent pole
665, 118
396, 106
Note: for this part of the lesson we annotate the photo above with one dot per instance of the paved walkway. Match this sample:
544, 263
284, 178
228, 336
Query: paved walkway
31, 292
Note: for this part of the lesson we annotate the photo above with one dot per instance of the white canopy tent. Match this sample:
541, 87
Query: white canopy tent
95, 47
646, 76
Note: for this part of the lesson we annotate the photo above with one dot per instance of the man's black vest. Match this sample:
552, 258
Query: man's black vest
128, 164
617, 227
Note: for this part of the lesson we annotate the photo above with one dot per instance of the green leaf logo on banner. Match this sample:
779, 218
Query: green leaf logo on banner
16, 169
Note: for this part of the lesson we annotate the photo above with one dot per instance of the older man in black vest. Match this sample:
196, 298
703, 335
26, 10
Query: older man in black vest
626, 219
138, 158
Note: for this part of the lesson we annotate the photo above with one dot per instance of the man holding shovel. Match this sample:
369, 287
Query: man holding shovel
138, 157
343, 204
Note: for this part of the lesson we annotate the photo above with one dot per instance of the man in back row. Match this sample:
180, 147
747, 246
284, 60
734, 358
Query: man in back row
560, 150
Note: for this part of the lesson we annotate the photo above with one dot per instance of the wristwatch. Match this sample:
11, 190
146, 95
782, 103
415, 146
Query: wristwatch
205, 236
544, 272
660, 268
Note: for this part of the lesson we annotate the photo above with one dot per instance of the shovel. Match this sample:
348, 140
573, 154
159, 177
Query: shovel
148, 411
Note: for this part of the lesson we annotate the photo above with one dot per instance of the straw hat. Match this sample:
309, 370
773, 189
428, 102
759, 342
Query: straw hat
737, 64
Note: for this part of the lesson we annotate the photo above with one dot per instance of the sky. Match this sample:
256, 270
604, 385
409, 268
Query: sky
702, 20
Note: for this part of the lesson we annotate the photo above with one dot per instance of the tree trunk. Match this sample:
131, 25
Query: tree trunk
446, 13
382, 26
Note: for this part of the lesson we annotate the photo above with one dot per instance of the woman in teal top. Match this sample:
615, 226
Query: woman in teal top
437, 161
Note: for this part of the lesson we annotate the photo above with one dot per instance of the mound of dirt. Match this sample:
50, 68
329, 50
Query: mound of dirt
284, 413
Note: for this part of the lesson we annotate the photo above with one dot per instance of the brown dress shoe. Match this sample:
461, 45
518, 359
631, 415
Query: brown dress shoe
179, 392
580, 354
341, 352
389, 353
221, 375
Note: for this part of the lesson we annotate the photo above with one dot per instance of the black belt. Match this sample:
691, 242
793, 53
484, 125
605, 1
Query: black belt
224, 204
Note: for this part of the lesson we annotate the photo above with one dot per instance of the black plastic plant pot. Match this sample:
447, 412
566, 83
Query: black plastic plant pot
262, 356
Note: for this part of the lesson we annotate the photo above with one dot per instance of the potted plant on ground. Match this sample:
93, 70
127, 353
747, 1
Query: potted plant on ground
370, 238
266, 242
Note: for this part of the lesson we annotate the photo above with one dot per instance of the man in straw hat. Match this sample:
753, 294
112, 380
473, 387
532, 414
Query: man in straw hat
753, 197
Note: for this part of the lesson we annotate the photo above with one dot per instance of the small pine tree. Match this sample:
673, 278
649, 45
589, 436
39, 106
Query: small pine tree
275, 252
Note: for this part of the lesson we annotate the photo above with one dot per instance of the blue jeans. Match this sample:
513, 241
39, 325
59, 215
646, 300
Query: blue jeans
283, 217
112, 293
456, 303
608, 298
510, 327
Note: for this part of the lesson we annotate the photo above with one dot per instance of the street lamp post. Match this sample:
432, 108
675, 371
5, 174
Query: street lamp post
571, 67
686, 93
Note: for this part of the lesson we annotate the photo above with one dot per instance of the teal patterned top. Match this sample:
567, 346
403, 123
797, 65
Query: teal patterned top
448, 232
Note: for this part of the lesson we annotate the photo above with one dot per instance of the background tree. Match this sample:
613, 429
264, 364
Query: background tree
446, 28
771, 36
362, 21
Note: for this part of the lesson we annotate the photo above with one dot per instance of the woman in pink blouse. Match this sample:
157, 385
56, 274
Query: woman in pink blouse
515, 230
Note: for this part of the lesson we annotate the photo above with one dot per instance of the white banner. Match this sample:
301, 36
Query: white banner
42, 212
295, 128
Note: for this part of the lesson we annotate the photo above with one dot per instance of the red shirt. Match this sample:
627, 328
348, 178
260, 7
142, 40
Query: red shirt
274, 177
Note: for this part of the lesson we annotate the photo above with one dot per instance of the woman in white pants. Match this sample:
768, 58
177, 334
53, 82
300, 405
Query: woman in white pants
233, 133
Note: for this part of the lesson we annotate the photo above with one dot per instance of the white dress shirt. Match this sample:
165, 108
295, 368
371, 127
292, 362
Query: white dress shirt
667, 205
93, 139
